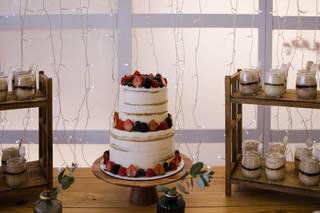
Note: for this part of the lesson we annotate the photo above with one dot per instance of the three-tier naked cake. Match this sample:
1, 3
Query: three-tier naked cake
142, 136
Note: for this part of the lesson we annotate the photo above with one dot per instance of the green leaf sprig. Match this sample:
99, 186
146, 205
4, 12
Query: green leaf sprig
186, 181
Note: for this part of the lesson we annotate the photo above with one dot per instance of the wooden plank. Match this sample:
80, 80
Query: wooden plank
228, 136
289, 99
290, 184
12, 103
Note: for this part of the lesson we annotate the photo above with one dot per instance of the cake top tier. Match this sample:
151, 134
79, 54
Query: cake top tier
138, 80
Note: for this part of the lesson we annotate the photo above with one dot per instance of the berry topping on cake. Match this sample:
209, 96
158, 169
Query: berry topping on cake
144, 80
126, 79
115, 169
136, 73
138, 81
147, 82
154, 84
177, 159
166, 166
141, 173
153, 125
159, 170
173, 165
141, 126
128, 125
163, 81
150, 173
109, 166
164, 125
122, 171
177, 152
169, 122
106, 156
131, 171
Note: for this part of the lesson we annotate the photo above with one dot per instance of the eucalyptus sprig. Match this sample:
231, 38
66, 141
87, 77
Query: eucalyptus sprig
65, 179
186, 181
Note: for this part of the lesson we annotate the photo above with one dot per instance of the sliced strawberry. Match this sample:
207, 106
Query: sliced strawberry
122, 171
106, 156
119, 124
150, 173
153, 125
136, 73
173, 165
128, 125
137, 81
109, 165
163, 81
154, 84
163, 125
123, 80
159, 169
132, 171
177, 159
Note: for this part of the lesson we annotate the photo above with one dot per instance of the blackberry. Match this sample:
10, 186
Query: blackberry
169, 122
115, 169
137, 125
177, 152
129, 84
166, 166
147, 83
140, 173
143, 127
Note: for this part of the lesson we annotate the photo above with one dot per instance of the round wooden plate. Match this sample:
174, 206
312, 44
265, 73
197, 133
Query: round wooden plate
142, 192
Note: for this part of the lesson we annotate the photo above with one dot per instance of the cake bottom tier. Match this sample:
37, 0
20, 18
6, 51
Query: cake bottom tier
143, 150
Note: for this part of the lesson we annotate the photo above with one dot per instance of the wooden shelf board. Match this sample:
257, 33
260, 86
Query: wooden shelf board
290, 183
12, 103
36, 178
289, 99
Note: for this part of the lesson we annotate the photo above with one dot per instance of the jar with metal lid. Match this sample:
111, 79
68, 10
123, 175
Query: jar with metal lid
300, 151
251, 165
25, 86
275, 166
274, 84
46, 204
3, 87
309, 171
249, 82
306, 85
16, 172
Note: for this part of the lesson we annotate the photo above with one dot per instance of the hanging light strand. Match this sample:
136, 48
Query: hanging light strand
152, 40
234, 11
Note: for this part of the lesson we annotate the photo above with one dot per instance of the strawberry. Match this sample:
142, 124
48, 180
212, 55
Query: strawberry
173, 165
159, 170
163, 81
136, 73
106, 156
151, 76
154, 84
177, 159
153, 125
128, 125
109, 165
119, 124
150, 173
125, 79
137, 81
163, 125
122, 171
115, 119
131, 171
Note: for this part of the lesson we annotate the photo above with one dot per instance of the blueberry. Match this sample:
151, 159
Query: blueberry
115, 169
140, 173
166, 166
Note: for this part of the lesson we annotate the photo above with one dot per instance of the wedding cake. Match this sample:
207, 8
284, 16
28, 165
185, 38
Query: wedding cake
142, 135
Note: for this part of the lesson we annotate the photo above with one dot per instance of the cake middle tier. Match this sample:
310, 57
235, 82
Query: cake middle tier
143, 150
140, 104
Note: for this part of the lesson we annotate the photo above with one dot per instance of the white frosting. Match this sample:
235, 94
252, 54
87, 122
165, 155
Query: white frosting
140, 104
144, 150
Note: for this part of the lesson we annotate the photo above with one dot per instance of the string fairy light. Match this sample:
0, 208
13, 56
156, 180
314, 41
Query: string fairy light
234, 11
152, 41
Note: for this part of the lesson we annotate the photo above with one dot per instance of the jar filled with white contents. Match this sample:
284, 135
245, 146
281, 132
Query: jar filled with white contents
309, 171
306, 85
275, 166
3, 87
251, 165
300, 151
274, 84
276, 147
25, 86
16, 172
7, 154
249, 82
317, 151
250, 145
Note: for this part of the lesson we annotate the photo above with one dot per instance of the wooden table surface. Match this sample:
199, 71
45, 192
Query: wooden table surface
89, 194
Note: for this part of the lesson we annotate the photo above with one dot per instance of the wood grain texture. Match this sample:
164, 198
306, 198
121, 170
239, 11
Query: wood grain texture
89, 194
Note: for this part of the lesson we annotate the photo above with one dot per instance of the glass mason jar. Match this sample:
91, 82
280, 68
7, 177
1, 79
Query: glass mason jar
274, 84
250, 145
275, 166
300, 151
47, 205
8, 153
306, 85
317, 151
171, 204
251, 165
3, 87
309, 171
16, 172
25, 86
249, 82
276, 147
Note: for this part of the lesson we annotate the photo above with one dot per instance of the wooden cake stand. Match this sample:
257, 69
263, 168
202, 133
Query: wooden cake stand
143, 192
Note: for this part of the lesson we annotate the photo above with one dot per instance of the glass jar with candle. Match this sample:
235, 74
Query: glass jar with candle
251, 165
309, 171
16, 172
300, 150
249, 82
275, 166
3, 87
274, 84
25, 86
306, 85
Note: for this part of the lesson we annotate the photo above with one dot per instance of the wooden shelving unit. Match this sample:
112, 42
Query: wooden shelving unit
233, 143
40, 172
